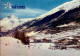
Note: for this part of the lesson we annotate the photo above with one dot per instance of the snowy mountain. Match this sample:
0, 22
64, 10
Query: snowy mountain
50, 22
63, 14
66, 6
55, 33
10, 22
62, 22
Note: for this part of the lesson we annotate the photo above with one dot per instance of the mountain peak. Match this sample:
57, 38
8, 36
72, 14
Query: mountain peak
65, 6
11, 16
75, 0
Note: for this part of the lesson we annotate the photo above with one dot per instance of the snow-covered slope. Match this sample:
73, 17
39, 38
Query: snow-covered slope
13, 47
66, 6
10, 22
60, 15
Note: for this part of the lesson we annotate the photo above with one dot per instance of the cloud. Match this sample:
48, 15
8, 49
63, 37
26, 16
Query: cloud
29, 12
25, 13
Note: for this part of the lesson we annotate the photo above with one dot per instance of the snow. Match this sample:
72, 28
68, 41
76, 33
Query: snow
53, 37
39, 49
31, 33
66, 6
69, 24
26, 19
9, 22
12, 21
9, 46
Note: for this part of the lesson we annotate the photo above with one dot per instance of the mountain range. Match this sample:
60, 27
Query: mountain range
66, 14
11, 22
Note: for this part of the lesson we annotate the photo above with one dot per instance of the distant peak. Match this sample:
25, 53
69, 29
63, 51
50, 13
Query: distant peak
11, 16
75, 0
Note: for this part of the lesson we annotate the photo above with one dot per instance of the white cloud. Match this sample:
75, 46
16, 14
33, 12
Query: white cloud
25, 13
29, 12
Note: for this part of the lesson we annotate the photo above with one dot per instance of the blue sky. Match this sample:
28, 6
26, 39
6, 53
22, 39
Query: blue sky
34, 8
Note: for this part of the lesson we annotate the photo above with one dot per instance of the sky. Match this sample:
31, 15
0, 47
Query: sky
33, 8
